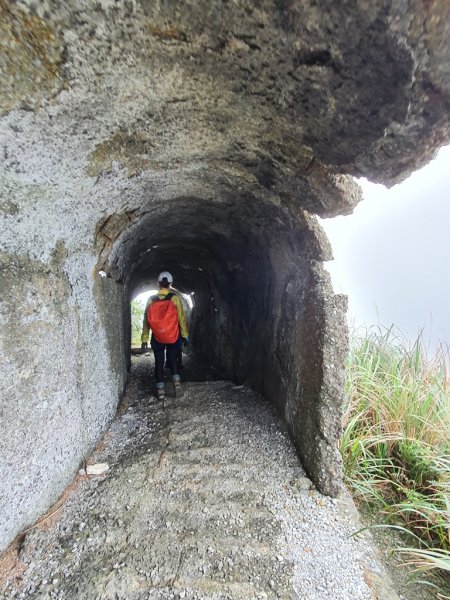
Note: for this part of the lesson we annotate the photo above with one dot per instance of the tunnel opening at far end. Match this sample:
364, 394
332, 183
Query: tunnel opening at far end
188, 367
139, 307
264, 315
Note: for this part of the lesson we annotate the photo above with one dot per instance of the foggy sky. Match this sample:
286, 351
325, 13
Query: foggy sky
392, 255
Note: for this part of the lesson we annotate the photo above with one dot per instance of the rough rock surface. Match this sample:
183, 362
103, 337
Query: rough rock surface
200, 137
205, 499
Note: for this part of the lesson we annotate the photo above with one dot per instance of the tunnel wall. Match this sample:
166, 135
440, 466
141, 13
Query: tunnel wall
62, 375
314, 379
273, 322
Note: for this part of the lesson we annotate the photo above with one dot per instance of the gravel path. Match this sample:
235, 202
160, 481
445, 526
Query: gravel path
205, 498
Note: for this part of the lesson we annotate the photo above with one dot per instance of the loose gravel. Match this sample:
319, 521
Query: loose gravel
205, 498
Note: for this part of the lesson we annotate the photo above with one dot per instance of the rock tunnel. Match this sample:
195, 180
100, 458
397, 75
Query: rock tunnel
204, 139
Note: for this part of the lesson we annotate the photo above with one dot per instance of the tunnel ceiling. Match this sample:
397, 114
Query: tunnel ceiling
120, 108
196, 238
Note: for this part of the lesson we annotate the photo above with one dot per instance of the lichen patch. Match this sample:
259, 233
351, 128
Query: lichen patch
132, 150
31, 57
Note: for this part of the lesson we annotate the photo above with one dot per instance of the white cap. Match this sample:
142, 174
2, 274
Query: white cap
165, 275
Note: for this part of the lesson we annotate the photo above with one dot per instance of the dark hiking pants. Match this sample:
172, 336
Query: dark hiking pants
172, 351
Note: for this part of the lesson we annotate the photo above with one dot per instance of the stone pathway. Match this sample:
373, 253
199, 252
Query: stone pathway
205, 498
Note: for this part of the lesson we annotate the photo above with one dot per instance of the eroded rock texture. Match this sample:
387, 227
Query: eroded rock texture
203, 138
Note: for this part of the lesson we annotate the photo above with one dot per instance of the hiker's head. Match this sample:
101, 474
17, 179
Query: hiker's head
165, 279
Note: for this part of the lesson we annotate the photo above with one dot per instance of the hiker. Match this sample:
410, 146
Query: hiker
164, 315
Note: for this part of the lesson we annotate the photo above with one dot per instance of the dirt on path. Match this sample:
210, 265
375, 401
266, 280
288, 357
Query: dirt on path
205, 498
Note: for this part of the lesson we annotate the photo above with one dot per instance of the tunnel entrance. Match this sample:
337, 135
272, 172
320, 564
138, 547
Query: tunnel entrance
264, 312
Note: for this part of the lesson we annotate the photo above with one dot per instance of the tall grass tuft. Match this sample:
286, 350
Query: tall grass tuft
396, 440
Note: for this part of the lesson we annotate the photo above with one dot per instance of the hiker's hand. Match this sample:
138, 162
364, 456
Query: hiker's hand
144, 345
186, 341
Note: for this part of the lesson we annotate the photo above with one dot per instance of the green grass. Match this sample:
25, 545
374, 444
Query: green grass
396, 441
137, 315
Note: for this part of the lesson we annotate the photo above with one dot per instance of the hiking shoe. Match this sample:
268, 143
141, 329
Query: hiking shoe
178, 389
161, 394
